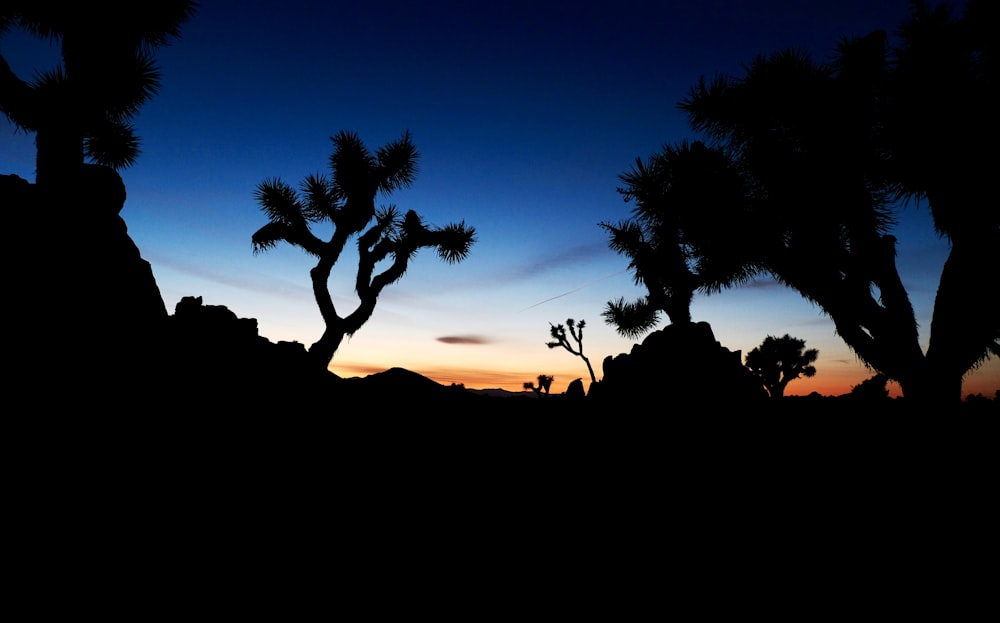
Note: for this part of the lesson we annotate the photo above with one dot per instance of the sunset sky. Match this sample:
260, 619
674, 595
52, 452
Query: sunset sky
524, 114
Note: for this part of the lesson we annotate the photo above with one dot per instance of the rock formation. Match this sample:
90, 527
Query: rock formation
86, 303
676, 368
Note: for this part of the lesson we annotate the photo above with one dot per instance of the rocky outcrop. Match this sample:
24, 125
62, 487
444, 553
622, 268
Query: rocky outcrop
575, 389
676, 368
126, 282
212, 356
85, 300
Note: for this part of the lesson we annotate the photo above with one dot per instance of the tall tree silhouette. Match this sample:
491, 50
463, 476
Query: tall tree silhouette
689, 231
827, 148
940, 112
780, 360
83, 108
558, 333
347, 201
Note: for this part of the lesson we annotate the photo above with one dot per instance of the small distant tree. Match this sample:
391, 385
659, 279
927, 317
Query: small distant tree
544, 383
558, 333
780, 360
347, 201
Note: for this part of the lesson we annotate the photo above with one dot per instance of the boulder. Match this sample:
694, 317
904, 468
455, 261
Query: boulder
678, 367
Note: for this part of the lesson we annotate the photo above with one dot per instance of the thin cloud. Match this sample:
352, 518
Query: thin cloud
529, 268
464, 339
548, 262
265, 284
576, 289
842, 362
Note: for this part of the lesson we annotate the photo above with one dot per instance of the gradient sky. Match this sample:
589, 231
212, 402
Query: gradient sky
524, 113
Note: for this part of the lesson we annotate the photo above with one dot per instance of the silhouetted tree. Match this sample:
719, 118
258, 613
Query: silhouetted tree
780, 360
873, 388
558, 332
544, 383
940, 110
689, 232
83, 108
826, 149
347, 201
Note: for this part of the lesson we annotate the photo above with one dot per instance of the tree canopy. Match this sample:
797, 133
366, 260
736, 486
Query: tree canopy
346, 200
689, 232
779, 361
819, 158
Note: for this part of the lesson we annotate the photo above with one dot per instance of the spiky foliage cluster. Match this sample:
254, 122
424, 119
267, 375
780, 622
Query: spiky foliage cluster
690, 231
86, 104
346, 200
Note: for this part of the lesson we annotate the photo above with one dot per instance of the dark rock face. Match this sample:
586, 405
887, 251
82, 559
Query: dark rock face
128, 283
575, 389
212, 324
88, 300
677, 367
215, 358
80, 257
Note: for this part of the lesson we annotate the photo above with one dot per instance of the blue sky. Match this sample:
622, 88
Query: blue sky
524, 115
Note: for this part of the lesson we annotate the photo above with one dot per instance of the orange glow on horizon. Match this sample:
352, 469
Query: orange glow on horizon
829, 382
510, 380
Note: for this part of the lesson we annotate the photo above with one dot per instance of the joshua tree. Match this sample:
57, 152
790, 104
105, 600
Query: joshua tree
780, 360
689, 232
544, 383
558, 332
827, 149
940, 111
347, 201
83, 108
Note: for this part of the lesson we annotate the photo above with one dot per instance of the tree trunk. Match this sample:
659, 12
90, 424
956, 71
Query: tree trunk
590, 368
322, 351
777, 391
928, 390
58, 159
966, 318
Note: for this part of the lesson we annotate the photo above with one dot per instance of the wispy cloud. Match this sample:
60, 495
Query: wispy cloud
257, 282
842, 362
464, 339
528, 267
544, 263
